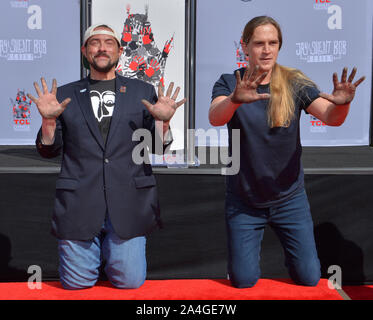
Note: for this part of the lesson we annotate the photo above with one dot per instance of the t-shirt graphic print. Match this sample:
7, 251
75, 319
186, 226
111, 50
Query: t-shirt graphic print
102, 95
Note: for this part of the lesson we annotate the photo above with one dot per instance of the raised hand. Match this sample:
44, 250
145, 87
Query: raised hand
166, 106
344, 91
47, 104
245, 91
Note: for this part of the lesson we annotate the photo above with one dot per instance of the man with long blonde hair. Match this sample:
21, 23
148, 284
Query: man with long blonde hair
265, 101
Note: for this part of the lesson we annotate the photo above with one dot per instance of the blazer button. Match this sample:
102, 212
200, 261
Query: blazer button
106, 160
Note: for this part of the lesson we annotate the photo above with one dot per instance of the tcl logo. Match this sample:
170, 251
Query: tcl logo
317, 123
21, 122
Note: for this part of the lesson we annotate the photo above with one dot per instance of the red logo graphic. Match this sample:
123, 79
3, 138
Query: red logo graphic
241, 58
316, 122
21, 109
141, 58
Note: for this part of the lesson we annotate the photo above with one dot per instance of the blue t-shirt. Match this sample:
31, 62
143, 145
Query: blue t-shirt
270, 158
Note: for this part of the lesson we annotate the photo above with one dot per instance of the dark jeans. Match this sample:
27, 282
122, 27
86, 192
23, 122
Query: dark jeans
291, 221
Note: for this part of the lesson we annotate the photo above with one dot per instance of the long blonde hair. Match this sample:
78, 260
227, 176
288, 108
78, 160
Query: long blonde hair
284, 83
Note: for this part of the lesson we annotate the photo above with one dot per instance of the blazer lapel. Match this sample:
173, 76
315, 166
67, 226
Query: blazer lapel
84, 100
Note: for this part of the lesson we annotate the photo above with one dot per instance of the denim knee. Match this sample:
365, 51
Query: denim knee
76, 284
126, 278
129, 284
123, 281
78, 264
244, 278
306, 275
244, 282
310, 280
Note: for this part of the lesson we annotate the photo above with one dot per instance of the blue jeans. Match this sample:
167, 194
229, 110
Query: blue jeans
291, 221
125, 261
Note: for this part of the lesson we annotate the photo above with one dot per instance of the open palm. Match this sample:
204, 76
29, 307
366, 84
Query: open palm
245, 90
344, 91
166, 106
47, 104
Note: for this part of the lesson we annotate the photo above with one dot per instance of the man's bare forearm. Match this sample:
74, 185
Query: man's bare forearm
222, 110
48, 129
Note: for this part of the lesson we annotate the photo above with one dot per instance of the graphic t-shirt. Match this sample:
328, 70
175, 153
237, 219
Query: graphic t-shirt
102, 94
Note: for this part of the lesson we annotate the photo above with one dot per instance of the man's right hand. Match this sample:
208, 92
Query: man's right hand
47, 104
49, 109
245, 91
222, 108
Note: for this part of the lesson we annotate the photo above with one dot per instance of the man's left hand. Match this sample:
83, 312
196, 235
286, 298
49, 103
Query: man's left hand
344, 91
166, 106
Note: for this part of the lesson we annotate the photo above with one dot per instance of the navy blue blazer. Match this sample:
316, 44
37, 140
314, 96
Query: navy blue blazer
96, 178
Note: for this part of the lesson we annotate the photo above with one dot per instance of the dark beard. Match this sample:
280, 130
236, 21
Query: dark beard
105, 69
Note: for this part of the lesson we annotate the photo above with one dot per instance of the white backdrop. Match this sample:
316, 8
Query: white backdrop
37, 38
318, 39
165, 19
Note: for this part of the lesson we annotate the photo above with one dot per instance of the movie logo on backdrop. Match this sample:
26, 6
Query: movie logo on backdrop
22, 49
320, 51
141, 57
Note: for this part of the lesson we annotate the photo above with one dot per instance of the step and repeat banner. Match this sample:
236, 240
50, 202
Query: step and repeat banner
153, 37
42, 38
319, 38
37, 38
